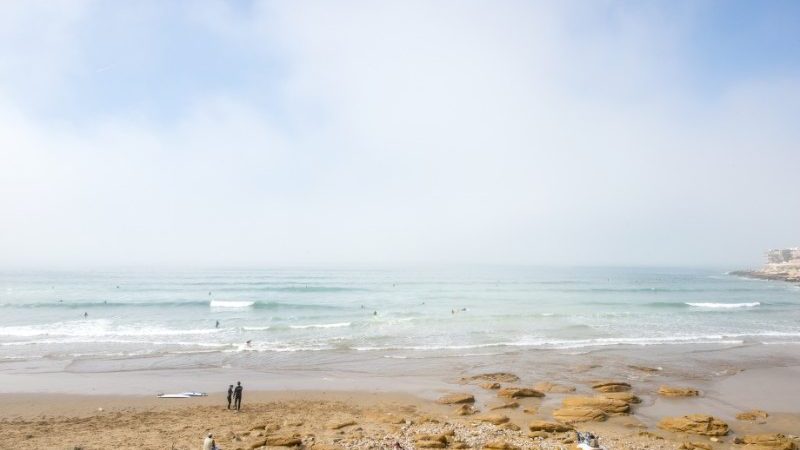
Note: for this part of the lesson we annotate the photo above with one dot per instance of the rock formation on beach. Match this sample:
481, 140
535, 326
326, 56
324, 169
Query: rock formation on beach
695, 424
782, 265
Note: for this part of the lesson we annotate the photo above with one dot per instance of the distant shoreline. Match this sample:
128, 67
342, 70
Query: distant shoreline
772, 276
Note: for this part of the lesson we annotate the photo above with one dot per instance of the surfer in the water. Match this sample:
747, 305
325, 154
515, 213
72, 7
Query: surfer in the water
237, 396
85, 315
230, 395
217, 325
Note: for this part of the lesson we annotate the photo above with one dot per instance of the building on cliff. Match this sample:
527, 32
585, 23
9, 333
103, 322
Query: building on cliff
784, 256
782, 264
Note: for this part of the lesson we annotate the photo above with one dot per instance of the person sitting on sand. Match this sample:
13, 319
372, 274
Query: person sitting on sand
209, 443
230, 395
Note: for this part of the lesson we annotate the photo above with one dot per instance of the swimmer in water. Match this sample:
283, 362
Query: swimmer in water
217, 325
85, 315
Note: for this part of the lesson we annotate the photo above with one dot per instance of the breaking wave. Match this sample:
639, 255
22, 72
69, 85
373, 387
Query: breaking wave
725, 305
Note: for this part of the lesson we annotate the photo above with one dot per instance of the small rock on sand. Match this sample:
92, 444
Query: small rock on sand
755, 415
337, 425
431, 444
500, 445
500, 377
695, 424
695, 446
516, 392
491, 385
457, 398
283, 441
772, 441
645, 368
628, 397
465, 410
494, 419
550, 427
432, 437
611, 386
507, 405
676, 391
546, 386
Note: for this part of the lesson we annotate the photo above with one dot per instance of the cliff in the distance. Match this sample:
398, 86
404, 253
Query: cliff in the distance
782, 264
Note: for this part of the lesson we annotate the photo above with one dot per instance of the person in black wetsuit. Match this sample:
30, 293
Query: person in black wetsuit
237, 396
230, 395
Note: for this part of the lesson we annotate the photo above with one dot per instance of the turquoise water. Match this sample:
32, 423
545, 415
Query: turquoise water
389, 312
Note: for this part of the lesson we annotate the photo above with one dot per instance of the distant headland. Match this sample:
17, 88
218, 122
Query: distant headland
782, 264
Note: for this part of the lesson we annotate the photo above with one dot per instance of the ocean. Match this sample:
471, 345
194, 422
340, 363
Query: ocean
380, 312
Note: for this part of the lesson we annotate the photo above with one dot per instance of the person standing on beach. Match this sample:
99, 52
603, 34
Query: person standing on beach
230, 395
237, 396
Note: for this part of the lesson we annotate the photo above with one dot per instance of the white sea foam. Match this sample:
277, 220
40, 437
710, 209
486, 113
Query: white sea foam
725, 305
320, 325
231, 304
97, 329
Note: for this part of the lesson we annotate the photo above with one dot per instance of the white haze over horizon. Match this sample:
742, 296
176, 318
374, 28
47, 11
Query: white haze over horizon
215, 133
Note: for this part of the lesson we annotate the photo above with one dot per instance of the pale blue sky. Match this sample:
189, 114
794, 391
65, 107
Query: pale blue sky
451, 131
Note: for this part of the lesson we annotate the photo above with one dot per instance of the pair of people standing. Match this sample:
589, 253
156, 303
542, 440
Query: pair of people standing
236, 395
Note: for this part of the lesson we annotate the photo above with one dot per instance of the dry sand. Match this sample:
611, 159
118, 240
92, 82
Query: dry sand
347, 420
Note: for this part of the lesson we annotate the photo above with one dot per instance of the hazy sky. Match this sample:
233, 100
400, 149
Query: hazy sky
228, 133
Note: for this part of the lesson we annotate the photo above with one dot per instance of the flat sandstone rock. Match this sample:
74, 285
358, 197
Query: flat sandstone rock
494, 419
628, 397
579, 414
465, 410
516, 392
506, 405
498, 377
611, 386
771, 441
500, 445
695, 424
550, 427
457, 398
755, 415
546, 386
607, 405
676, 391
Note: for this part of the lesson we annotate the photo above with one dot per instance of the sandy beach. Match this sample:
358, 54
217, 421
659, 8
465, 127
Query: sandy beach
501, 409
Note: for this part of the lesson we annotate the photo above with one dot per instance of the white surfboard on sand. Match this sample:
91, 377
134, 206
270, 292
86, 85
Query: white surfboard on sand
183, 395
